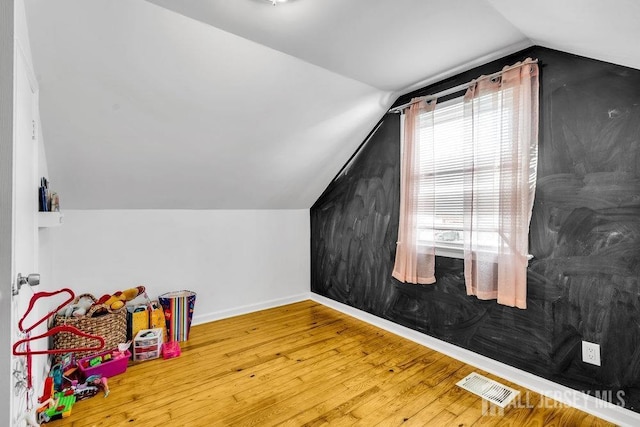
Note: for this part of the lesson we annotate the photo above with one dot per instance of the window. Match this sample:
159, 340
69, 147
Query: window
467, 184
441, 177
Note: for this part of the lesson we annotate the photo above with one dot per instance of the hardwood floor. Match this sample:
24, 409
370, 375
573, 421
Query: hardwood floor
305, 365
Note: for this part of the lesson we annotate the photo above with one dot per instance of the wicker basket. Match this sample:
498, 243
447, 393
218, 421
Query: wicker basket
99, 320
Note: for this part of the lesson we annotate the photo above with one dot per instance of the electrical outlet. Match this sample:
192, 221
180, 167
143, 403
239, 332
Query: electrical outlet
591, 353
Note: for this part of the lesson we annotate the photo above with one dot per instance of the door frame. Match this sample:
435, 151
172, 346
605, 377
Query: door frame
7, 63
24, 79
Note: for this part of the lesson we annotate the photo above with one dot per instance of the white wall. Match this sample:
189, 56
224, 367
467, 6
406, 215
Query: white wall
235, 260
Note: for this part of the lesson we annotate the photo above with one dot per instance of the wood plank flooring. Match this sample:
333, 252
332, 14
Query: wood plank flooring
305, 365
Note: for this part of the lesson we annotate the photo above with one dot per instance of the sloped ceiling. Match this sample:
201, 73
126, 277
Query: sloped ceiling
219, 104
605, 30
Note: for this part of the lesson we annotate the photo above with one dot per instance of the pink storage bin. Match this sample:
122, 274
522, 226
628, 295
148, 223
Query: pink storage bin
171, 349
115, 366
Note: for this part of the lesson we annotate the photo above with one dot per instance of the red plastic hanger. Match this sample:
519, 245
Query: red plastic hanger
53, 331
36, 297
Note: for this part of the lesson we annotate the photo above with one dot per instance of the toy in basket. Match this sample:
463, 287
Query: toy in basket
99, 319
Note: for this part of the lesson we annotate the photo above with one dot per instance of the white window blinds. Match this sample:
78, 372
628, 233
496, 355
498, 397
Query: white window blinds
445, 159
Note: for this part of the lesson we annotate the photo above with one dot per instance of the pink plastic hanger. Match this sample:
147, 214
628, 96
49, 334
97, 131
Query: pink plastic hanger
36, 297
53, 331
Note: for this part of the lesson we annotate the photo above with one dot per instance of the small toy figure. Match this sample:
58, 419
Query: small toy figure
105, 386
99, 381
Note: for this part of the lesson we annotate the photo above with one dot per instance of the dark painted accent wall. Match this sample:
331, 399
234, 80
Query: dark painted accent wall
585, 236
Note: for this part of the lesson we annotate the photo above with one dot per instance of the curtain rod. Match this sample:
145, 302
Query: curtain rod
458, 88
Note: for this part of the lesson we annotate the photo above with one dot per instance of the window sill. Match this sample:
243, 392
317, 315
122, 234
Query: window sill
458, 252
446, 251
450, 252
485, 255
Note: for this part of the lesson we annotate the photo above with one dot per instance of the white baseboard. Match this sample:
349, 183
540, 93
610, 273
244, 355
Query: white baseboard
607, 411
249, 308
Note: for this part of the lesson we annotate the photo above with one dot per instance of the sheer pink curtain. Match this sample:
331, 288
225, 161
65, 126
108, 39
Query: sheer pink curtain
415, 259
501, 129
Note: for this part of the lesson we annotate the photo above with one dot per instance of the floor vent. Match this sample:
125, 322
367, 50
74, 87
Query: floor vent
488, 389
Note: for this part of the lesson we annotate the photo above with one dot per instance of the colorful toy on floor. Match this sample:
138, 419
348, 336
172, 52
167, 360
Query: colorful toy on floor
59, 406
54, 405
85, 391
48, 390
62, 373
100, 382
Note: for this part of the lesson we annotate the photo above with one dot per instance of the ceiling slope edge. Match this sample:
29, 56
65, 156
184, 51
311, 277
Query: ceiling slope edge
500, 53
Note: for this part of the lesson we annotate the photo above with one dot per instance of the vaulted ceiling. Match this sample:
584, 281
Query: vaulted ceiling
220, 104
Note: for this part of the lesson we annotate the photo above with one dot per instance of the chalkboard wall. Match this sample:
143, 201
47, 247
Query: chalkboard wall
584, 235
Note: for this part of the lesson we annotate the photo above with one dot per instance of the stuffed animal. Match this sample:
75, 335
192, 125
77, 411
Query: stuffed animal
118, 299
77, 309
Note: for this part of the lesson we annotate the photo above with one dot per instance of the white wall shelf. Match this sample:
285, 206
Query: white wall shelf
49, 219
